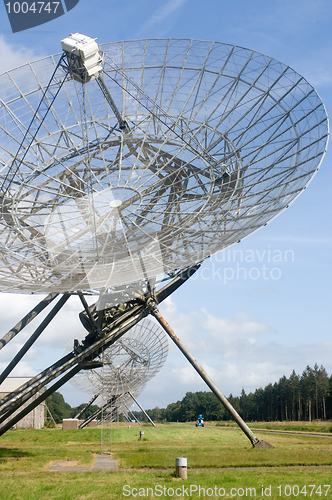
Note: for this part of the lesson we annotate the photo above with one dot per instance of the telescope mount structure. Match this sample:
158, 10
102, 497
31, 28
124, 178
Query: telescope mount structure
124, 166
126, 368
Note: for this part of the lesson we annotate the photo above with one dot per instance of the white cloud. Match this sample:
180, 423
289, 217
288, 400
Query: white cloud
168, 306
12, 56
15, 306
186, 375
63, 327
23, 369
249, 367
237, 352
51, 345
228, 329
204, 332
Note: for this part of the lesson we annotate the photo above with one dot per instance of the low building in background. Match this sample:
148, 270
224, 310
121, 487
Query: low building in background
70, 423
33, 420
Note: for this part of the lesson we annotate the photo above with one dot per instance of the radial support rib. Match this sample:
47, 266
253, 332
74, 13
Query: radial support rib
122, 123
48, 97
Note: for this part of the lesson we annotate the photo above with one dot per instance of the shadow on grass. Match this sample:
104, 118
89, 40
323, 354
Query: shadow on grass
14, 453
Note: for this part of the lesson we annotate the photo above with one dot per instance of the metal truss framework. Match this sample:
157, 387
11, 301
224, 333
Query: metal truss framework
99, 338
104, 330
127, 365
178, 149
113, 407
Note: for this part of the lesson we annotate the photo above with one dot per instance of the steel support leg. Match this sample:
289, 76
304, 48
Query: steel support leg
14, 400
98, 412
34, 337
131, 413
109, 417
25, 391
39, 400
147, 416
89, 419
248, 432
80, 413
26, 320
92, 417
110, 333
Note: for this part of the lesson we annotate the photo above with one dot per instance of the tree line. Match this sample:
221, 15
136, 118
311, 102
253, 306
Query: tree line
59, 409
298, 397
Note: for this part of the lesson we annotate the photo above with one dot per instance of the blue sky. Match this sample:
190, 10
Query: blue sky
247, 326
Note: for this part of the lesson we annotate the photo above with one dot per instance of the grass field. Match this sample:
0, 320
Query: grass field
26, 454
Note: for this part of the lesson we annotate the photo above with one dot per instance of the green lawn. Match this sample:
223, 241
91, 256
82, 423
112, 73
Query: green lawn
26, 454
318, 427
216, 447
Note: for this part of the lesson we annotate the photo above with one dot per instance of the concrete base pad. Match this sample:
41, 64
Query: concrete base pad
101, 463
263, 444
104, 462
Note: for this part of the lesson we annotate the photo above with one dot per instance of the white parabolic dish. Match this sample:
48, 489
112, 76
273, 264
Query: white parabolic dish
92, 206
128, 364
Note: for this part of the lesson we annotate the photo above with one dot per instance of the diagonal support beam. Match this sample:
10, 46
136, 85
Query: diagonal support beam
96, 414
93, 416
80, 413
27, 319
122, 123
8, 425
147, 416
131, 413
112, 333
224, 401
34, 337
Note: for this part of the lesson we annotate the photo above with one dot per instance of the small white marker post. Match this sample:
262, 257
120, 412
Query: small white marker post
181, 467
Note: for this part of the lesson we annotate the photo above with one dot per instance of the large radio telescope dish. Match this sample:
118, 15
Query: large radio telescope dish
128, 364
220, 140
